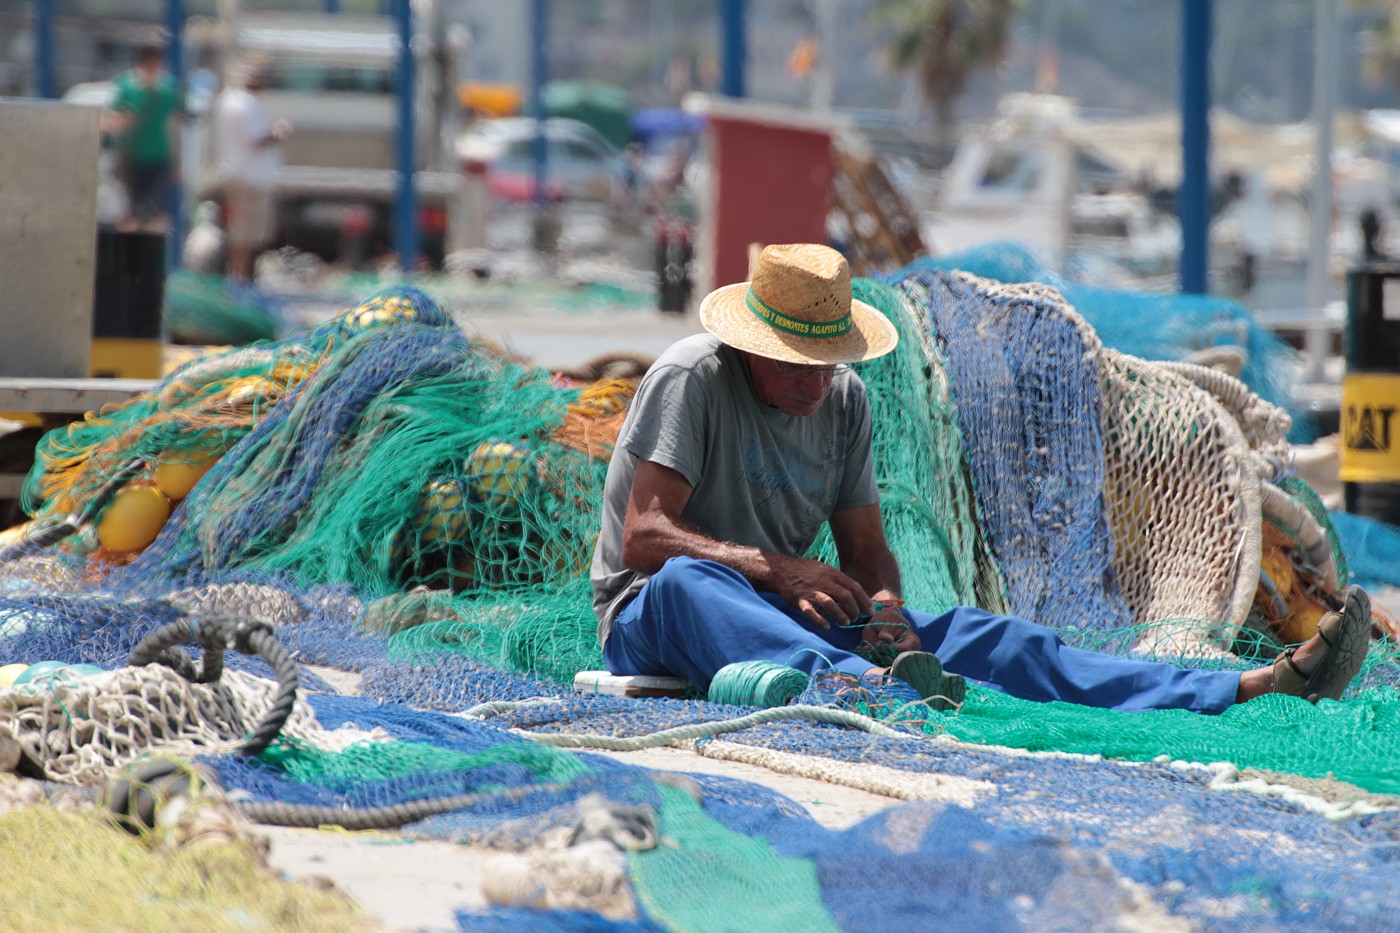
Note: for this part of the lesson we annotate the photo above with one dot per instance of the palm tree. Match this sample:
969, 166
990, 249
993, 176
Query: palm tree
944, 42
1383, 43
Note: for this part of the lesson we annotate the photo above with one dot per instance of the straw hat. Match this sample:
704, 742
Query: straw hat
798, 309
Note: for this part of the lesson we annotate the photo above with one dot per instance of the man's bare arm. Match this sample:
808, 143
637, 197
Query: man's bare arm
653, 532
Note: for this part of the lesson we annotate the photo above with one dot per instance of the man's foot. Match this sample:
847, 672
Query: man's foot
924, 672
1324, 665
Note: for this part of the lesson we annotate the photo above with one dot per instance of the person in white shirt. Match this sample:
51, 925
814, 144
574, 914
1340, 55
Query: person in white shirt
249, 156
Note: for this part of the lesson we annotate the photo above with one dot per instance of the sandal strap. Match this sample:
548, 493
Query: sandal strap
1331, 622
1288, 678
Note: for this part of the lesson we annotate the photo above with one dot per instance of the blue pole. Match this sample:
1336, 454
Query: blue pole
733, 41
175, 61
1193, 199
539, 77
332, 6
175, 27
43, 49
405, 203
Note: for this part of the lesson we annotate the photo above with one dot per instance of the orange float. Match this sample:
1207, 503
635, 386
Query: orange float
133, 518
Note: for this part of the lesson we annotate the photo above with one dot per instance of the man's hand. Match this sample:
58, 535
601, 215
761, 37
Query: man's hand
889, 632
824, 594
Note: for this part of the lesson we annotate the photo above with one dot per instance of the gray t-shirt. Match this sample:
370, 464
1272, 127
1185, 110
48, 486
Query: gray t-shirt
760, 478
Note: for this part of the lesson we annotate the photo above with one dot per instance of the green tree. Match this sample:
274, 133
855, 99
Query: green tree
945, 42
1382, 43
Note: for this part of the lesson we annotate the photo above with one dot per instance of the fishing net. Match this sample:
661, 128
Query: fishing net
1154, 326
926, 496
81, 873
202, 309
1024, 373
1182, 499
413, 513
81, 730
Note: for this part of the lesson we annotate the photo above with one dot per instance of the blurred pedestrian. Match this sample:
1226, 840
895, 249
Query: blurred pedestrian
145, 105
1371, 233
248, 144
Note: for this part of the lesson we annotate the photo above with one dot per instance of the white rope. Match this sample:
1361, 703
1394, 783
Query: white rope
873, 779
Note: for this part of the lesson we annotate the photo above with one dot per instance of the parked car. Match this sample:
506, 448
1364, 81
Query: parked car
579, 163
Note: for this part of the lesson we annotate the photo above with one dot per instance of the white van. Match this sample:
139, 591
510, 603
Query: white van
334, 77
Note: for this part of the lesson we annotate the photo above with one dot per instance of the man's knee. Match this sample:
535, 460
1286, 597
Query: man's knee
678, 573
681, 575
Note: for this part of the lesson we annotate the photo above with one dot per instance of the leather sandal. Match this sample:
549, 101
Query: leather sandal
1347, 635
924, 672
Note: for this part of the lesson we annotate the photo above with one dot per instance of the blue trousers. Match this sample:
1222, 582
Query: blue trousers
695, 616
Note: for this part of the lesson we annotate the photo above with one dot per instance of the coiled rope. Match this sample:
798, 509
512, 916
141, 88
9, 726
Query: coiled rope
757, 683
215, 634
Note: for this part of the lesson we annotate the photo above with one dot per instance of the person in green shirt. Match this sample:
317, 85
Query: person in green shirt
146, 101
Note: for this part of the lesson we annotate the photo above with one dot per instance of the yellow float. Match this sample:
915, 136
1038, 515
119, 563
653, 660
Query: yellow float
499, 472
9, 672
133, 518
442, 514
177, 472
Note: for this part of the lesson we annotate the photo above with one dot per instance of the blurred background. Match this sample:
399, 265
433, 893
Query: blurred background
1053, 124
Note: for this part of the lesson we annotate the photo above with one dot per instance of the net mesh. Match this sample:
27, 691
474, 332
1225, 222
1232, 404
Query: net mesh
81, 873
1153, 326
1024, 375
414, 514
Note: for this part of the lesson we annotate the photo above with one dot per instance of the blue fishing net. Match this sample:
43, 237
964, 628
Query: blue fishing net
1025, 382
1151, 325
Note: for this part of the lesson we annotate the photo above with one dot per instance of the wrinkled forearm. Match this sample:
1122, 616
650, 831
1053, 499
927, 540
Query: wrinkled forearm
654, 538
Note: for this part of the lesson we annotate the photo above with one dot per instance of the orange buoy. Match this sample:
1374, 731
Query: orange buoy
177, 472
133, 518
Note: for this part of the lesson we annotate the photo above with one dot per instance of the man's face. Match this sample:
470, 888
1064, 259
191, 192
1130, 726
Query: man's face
793, 388
148, 68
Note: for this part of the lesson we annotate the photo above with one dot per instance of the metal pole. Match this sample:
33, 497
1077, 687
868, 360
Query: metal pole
44, 82
545, 222
175, 61
732, 42
1193, 199
823, 81
228, 45
539, 77
405, 201
332, 6
1320, 210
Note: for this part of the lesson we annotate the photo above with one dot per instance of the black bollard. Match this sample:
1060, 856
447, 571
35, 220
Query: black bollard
1370, 469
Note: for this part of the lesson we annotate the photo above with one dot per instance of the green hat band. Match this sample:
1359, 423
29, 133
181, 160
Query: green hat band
793, 325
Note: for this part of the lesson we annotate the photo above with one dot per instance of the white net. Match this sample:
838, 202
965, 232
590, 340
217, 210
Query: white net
1181, 489
82, 731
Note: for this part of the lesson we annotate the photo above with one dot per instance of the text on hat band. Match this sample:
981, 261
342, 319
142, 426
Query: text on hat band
792, 325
